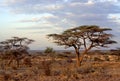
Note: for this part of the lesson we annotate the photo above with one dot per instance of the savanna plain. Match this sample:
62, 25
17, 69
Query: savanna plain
61, 66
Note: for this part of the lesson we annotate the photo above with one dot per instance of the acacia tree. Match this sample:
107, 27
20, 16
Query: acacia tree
15, 48
86, 37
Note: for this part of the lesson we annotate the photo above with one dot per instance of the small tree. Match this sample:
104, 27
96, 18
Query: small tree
49, 50
15, 48
83, 36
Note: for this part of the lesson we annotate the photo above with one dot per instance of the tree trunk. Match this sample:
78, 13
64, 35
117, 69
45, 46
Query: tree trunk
17, 60
78, 60
77, 56
85, 52
11, 60
81, 58
82, 55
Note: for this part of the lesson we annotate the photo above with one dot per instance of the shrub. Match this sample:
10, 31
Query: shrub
49, 50
97, 59
47, 67
107, 58
87, 68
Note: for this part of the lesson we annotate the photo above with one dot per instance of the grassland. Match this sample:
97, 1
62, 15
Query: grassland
62, 67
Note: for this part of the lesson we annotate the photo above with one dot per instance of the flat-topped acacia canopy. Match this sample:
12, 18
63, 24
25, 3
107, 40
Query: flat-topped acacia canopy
86, 36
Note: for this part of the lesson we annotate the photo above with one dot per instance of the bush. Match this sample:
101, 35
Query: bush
97, 59
85, 69
47, 67
49, 50
107, 58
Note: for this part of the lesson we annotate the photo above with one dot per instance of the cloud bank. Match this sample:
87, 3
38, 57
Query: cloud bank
58, 15
76, 12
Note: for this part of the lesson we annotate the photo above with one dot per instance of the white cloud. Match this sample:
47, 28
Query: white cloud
53, 7
90, 2
106, 0
42, 29
70, 13
114, 18
74, 11
63, 14
41, 18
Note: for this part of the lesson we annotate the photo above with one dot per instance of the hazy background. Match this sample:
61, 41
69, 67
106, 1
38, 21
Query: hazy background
37, 18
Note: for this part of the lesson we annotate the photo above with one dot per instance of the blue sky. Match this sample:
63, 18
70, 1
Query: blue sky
37, 18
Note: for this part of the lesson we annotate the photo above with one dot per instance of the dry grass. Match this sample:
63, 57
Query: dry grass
42, 69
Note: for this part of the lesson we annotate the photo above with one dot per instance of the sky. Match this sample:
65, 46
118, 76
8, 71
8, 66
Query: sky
35, 19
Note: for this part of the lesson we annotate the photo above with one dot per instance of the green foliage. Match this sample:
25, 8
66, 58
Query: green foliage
49, 50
